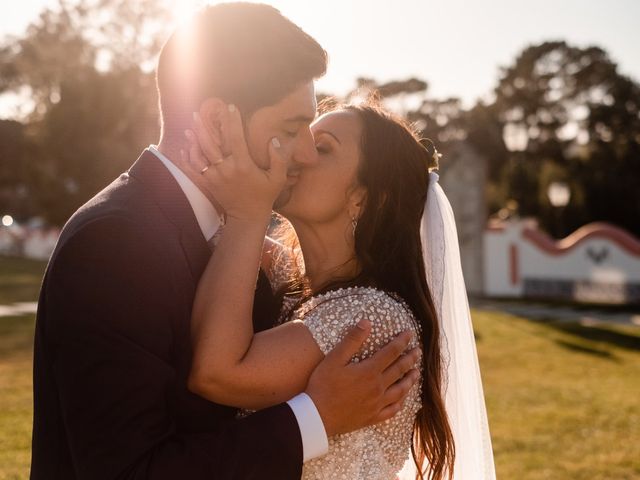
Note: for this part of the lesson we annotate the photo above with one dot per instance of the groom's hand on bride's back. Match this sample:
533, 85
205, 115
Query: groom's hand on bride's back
350, 396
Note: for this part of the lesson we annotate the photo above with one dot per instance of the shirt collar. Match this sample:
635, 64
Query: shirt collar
207, 216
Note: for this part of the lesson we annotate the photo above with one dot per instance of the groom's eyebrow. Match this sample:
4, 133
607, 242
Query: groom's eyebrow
300, 119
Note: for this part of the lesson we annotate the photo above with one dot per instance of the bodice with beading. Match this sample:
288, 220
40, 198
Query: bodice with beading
376, 452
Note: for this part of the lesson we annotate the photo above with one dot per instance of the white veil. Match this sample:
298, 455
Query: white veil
464, 397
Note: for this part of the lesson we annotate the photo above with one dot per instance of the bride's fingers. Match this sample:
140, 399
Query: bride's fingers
277, 164
185, 164
199, 164
208, 144
211, 130
203, 181
233, 133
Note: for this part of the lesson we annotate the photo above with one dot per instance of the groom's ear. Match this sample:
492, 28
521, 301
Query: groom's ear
210, 112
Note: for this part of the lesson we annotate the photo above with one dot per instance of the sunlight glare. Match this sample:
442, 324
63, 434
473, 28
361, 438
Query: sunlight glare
183, 9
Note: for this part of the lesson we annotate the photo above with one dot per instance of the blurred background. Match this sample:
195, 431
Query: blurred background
536, 109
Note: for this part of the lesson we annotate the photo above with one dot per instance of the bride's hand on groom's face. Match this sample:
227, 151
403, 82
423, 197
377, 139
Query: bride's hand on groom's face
244, 190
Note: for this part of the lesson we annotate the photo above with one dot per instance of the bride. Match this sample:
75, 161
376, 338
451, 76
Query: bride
374, 239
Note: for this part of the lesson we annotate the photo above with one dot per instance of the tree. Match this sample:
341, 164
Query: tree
578, 121
94, 104
15, 177
91, 135
444, 121
581, 124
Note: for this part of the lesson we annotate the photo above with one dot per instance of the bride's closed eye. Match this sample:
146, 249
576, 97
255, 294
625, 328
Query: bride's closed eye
323, 147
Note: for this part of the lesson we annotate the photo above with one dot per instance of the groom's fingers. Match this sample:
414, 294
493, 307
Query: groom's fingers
350, 344
396, 395
388, 354
233, 132
400, 367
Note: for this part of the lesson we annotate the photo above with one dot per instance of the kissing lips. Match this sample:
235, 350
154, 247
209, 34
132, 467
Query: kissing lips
292, 177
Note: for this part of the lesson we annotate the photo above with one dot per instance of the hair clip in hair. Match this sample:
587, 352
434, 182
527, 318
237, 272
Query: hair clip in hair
432, 151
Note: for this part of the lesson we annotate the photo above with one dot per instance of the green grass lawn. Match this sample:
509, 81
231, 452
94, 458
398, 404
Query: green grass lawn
563, 399
20, 279
16, 337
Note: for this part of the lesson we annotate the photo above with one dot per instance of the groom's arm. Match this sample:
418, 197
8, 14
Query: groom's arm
112, 315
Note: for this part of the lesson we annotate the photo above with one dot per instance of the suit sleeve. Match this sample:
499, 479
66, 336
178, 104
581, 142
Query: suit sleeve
111, 326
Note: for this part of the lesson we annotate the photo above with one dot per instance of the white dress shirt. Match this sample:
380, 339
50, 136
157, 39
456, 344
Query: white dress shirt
314, 436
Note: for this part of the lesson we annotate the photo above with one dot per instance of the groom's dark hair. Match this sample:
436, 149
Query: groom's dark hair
243, 53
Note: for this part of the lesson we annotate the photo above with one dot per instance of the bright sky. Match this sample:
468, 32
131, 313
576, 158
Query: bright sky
457, 46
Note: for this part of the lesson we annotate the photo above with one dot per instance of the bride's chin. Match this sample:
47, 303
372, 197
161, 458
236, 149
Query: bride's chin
284, 212
282, 201
287, 212
285, 204
293, 208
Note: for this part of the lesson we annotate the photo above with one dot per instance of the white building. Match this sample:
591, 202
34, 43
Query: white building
598, 263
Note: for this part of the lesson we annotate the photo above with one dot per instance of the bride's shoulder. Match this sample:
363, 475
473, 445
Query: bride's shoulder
328, 316
344, 304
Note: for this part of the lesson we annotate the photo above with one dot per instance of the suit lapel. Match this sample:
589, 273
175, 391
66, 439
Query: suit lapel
196, 251
168, 195
170, 198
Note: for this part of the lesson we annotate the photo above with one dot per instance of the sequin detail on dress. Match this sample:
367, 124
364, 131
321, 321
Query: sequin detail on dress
377, 452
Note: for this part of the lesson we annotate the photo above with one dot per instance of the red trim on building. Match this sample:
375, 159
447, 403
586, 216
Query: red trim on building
600, 230
513, 264
495, 226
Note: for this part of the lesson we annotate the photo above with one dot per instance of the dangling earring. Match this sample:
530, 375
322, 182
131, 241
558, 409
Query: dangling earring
354, 224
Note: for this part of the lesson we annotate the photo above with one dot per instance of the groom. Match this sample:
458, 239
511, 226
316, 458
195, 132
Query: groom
112, 345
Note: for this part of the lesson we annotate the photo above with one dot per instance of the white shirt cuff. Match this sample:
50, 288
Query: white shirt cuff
314, 436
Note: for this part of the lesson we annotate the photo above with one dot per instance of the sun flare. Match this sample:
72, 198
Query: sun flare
182, 10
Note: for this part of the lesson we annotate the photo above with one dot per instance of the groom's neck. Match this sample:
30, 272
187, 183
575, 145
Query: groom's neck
170, 149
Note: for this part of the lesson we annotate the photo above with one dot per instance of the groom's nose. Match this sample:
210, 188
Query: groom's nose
305, 150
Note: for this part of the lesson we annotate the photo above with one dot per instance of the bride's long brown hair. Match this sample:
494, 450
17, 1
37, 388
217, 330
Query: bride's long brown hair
394, 169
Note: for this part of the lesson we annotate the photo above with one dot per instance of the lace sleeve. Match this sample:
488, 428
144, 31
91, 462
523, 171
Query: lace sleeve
328, 317
284, 264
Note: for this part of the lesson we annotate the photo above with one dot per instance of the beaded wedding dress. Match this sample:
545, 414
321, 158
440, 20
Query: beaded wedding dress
382, 452
377, 452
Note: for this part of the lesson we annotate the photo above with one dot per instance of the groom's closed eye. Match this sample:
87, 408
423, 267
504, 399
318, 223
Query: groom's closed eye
292, 126
291, 133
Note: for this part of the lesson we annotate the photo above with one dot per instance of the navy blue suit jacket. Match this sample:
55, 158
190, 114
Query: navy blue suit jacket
112, 350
